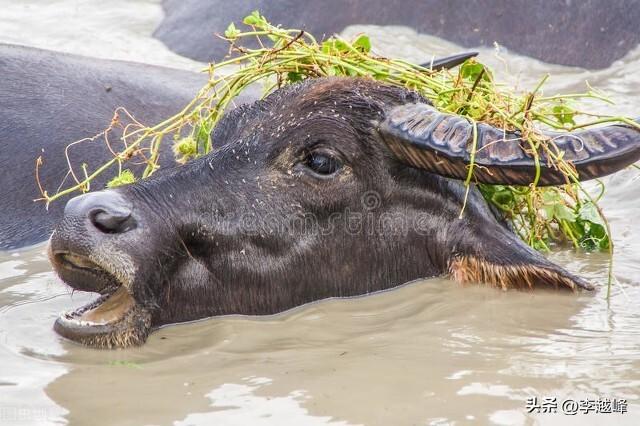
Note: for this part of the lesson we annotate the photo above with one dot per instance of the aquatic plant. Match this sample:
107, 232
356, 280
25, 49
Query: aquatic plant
541, 216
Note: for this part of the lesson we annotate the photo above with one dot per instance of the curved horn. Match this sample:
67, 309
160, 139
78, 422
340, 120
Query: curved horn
425, 138
449, 61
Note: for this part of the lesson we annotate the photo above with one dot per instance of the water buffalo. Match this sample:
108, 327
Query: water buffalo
48, 100
557, 31
330, 188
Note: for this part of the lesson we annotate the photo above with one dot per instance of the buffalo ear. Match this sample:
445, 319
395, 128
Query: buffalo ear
422, 137
469, 269
493, 255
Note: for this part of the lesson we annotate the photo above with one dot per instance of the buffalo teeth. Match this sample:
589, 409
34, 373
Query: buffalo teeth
68, 317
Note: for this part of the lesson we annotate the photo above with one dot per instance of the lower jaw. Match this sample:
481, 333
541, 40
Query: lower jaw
131, 327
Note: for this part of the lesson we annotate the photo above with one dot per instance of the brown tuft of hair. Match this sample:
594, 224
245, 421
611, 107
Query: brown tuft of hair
469, 269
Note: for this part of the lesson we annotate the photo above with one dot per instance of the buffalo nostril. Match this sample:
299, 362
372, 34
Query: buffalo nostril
107, 211
115, 222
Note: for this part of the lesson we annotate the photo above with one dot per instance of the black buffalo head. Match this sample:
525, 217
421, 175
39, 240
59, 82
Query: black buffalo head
330, 188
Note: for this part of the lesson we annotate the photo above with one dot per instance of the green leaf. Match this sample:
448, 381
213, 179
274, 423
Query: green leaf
549, 199
231, 32
294, 77
504, 199
595, 237
471, 70
362, 43
550, 196
605, 243
564, 114
594, 234
562, 212
332, 70
255, 20
589, 213
501, 196
185, 149
541, 245
334, 46
555, 208
125, 177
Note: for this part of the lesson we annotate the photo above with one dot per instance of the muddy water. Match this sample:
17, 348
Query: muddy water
431, 352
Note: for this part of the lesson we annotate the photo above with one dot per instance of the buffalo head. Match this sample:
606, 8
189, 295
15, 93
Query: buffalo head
330, 188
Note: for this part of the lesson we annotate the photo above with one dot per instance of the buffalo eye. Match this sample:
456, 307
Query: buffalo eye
322, 163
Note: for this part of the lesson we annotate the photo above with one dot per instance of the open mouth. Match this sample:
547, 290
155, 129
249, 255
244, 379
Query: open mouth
114, 319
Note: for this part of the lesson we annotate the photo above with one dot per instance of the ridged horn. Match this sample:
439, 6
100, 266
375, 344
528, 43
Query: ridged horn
423, 137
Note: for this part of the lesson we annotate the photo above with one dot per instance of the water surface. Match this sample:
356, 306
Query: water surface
431, 352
